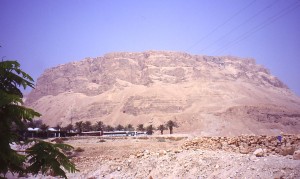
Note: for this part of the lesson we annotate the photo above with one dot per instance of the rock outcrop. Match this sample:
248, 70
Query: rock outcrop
203, 94
260, 145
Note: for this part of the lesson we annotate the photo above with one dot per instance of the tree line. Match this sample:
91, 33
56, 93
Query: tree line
87, 126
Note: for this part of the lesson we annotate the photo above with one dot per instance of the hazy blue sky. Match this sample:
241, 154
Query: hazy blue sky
43, 34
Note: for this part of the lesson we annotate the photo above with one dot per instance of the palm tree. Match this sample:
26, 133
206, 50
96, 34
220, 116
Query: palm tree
68, 128
150, 129
140, 127
170, 125
99, 126
87, 126
78, 126
58, 126
161, 128
44, 129
109, 128
129, 127
119, 127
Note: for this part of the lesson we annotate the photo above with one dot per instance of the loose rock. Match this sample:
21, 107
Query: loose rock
296, 155
259, 152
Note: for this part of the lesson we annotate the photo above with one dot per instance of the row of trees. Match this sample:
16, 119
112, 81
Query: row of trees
100, 126
149, 129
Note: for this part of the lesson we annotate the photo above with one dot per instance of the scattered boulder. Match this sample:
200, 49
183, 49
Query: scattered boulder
296, 155
287, 151
244, 150
162, 152
259, 152
146, 152
138, 155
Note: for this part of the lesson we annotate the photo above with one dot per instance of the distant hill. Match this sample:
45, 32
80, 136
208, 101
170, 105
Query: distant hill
206, 95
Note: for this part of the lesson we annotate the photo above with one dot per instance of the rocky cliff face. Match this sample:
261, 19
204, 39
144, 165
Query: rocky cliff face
199, 92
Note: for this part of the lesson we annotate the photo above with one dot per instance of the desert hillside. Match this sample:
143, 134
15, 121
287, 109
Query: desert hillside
205, 95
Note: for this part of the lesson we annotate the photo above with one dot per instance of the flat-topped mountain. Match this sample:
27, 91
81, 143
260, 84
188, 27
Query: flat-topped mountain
204, 94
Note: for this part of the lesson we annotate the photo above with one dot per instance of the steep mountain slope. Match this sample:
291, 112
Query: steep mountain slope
204, 94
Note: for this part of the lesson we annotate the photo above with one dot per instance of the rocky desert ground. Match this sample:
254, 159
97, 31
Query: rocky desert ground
185, 156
